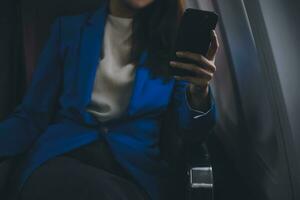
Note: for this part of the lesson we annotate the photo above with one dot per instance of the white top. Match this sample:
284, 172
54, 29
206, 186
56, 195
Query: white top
115, 75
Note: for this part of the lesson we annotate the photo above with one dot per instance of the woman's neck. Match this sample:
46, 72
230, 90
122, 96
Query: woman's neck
119, 8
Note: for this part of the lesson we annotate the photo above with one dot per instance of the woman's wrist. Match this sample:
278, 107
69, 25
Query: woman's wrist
199, 97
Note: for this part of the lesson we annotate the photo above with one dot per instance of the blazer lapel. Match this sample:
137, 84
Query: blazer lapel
91, 39
90, 49
141, 76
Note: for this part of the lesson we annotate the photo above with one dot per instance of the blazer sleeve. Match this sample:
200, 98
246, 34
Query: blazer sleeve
34, 113
191, 125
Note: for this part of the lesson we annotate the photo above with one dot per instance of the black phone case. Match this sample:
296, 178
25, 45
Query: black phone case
194, 34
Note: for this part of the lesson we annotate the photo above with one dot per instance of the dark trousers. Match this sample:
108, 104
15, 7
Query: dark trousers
87, 173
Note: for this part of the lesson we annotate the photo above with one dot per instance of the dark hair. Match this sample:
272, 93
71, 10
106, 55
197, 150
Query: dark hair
154, 29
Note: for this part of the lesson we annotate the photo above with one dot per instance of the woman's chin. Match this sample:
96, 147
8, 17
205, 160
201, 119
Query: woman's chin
139, 4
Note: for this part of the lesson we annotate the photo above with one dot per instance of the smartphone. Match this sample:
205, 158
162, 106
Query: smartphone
194, 35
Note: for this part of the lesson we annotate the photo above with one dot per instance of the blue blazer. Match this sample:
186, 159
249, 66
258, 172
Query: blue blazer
52, 118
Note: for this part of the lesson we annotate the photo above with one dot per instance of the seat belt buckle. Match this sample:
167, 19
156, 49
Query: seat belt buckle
201, 177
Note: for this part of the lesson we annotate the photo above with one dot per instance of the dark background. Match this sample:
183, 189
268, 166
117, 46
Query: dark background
12, 74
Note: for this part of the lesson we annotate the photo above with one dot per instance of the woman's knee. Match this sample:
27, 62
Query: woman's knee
67, 178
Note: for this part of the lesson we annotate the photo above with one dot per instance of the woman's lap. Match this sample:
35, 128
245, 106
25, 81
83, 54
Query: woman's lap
67, 178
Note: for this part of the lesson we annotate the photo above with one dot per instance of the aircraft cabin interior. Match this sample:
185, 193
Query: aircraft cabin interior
253, 150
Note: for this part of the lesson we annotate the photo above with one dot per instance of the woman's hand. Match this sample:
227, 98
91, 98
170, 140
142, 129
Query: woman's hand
204, 71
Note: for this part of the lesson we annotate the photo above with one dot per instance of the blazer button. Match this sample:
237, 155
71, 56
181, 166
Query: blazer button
105, 129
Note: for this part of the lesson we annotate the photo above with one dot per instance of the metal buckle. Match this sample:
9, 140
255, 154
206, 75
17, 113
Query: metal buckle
201, 177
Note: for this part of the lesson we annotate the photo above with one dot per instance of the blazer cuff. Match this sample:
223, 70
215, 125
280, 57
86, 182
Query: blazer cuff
199, 113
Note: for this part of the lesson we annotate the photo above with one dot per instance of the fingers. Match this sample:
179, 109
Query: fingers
204, 67
199, 71
199, 59
212, 51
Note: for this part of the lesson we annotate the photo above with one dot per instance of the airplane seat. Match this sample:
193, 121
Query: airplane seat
37, 17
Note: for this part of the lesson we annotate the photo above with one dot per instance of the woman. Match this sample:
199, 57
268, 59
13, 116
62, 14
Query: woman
91, 132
